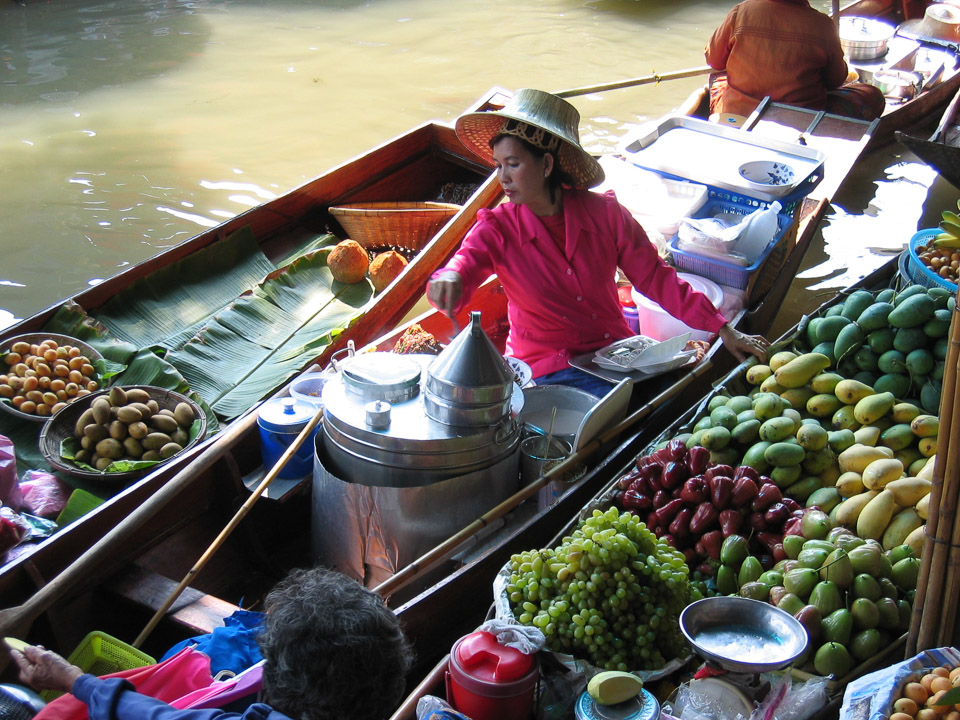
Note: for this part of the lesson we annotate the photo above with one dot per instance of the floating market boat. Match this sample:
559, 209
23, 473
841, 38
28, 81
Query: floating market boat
942, 150
436, 608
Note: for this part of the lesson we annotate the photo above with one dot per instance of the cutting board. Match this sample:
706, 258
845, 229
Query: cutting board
611, 409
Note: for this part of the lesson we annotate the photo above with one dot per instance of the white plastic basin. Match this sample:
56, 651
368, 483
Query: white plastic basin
657, 323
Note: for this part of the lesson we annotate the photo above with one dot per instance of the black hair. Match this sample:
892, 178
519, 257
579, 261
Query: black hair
333, 650
557, 177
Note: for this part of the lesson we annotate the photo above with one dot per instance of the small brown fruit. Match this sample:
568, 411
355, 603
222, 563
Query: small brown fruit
385, 268
348, 262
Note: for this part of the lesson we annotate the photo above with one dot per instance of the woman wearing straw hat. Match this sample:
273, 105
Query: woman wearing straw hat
556, 246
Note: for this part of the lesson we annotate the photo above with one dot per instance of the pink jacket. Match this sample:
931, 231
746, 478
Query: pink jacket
563, 304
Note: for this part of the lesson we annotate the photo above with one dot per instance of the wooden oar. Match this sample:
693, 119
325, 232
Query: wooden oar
651, 79
16, 620
230, 527
412, 571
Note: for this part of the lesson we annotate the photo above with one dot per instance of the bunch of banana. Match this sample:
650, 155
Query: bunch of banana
950, 225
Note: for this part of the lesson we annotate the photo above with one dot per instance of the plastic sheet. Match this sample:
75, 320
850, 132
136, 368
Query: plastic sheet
9, 483
43, 494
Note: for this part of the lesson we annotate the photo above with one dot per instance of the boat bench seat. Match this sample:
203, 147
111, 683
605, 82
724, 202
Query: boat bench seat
194, 610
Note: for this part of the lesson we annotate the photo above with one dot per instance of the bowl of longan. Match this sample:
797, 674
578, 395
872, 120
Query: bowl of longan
40, 373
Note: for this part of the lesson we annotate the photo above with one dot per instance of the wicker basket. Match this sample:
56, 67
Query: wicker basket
406, 225
62, 424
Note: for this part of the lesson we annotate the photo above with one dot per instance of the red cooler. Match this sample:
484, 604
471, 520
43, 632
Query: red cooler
490, 681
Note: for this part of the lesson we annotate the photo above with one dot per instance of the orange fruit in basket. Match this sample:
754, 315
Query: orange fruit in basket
916, 692
906, 705
348, 262
940, 683
385, 268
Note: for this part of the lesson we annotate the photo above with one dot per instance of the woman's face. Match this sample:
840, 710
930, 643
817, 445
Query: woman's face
522, 176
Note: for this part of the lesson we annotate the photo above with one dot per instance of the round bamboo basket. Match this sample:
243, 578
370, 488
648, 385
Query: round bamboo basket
35, 339
405, 225
62, 424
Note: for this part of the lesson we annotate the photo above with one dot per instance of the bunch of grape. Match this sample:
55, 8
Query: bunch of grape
611, 593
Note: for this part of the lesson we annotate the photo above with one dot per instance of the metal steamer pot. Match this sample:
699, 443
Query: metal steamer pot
865, 38
901, 85
413, 448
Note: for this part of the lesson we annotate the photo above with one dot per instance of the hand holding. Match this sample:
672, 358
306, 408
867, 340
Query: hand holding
444, 291
742, 345
43, 669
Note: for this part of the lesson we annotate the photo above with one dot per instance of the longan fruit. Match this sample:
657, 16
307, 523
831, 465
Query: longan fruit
63, 352
49, 355
82, 392
72, 389
43, 409
87, 369
61, 370
73, 351
940, 672
901, 716
927, 682
76, 363
21, 347
35, 396
50, 343
58, 407
13, 358
44, 383
92, 385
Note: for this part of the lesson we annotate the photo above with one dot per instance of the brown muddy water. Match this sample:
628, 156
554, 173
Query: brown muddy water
126, 128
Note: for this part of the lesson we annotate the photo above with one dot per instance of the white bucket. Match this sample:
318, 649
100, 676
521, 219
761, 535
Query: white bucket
657, 323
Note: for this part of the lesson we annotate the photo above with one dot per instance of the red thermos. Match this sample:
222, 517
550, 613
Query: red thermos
490, 681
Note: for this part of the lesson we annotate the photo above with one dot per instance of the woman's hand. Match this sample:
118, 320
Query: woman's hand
741, 345
444, 291
45, 670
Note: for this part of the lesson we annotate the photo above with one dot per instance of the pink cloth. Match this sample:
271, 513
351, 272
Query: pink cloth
563, 302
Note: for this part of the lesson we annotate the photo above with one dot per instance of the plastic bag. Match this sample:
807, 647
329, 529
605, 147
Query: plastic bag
9, 483
525, 638
430, 707
792, 701
44, 494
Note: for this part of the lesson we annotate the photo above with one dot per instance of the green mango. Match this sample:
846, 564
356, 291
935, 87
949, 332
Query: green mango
887, 588
837, 626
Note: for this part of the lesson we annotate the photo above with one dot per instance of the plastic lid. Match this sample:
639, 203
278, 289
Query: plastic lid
625, 296
642, 707
285, 414
483, 658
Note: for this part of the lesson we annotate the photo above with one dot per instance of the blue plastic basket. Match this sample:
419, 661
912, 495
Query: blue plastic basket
916, 271
756, 278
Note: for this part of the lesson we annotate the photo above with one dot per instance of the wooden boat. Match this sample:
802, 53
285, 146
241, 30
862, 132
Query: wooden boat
942, 150
119, 591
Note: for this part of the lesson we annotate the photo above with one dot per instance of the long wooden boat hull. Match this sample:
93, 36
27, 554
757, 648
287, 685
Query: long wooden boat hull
411, 167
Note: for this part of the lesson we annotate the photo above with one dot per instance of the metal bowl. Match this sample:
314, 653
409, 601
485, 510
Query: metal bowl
900, 85
35, 339
743, 635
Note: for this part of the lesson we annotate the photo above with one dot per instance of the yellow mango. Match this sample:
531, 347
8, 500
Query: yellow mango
901, 525
927, 446
857, 457
756, 374
825, 382
877, 474
850, 391
923, 506
867, 435
849, 510
800, 370
849, 484
797, 397
909, 491
873, 407
904, 412
779, 359
927, 471
925, 425
876, 515
823, 405
916, 539
771, 385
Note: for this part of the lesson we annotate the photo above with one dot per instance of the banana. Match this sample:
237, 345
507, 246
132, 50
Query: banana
950, 216
945, 240
950, 227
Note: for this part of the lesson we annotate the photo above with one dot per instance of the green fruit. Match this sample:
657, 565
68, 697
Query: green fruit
837, 569
826, 498
856, 304
812, 437
750, 570
840, 440
716, 438
771, 578
848, 341
865, 586
724, 417
898, 553
734, 551
881, 340
865, 613
904, 573
784, 453
816, 461
792, 545
755, 591
825, 596
889, 613
612, 687
790, 603
727, 580
800, 581
812, 557
785, 476
815, 525
746, 432
874, 317
837, 626
865, 644
704, 423
739, 403
754, 456
830, 327
832, 659
716, 401
867, 558
909, 339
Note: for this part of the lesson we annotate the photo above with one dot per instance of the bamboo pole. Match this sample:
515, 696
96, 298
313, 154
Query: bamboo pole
230, 527
652, 79
943, 503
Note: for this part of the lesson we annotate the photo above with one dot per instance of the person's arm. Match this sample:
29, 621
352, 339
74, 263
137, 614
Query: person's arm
717, 50
450, 288
835, 74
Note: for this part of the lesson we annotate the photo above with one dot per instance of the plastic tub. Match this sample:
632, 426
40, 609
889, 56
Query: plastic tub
280, 421
657, 323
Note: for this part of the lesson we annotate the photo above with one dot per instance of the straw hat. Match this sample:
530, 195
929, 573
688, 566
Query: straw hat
541, 110
940, 21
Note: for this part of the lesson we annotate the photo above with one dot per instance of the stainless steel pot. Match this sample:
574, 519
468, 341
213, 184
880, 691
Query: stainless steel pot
902, 85
865, 38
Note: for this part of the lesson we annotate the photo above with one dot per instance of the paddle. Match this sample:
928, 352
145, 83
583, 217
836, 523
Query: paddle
230, 527
634, 82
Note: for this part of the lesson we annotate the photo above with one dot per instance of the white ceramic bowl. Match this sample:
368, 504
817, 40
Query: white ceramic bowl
766, 175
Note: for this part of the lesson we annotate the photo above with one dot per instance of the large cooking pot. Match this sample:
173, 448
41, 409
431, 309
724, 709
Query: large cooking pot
902, 85
865, 38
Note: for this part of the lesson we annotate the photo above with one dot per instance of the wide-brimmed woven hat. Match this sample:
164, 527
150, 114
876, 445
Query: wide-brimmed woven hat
540, 110
940, 22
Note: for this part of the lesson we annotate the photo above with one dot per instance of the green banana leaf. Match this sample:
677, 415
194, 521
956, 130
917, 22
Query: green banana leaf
268, 335
169, 305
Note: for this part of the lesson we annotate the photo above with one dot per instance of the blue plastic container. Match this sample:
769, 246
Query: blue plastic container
914, 269
280, 421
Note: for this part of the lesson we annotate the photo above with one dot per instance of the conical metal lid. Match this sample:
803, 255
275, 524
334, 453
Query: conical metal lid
471, 370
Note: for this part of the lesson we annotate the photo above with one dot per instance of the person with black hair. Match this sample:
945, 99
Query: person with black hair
332, 650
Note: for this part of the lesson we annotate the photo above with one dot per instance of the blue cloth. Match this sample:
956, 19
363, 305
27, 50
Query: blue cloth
231, 647
574, 377
116, 699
